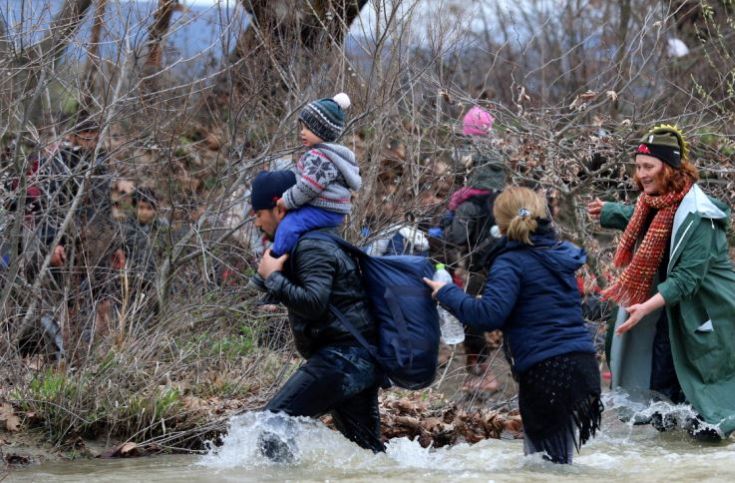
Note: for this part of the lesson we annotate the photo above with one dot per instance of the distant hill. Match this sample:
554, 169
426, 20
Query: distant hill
199, 36
200, 30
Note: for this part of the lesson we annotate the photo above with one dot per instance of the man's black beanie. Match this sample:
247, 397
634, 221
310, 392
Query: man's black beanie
268, 186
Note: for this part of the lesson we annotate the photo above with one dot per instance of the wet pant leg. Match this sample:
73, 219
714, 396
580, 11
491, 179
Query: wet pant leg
340, 380
663, 372
358, 418
562, 453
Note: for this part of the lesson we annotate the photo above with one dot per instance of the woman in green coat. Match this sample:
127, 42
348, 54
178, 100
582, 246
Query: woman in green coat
675, 332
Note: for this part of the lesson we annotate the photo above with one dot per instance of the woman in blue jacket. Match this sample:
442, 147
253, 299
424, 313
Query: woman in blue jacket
531, 295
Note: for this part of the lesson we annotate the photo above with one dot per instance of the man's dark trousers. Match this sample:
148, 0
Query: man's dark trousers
341, 380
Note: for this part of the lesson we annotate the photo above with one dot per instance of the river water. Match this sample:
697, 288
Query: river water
622, 452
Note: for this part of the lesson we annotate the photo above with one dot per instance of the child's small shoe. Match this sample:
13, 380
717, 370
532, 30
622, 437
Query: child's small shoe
256, 282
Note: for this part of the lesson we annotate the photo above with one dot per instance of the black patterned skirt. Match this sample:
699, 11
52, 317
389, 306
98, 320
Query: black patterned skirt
560, 404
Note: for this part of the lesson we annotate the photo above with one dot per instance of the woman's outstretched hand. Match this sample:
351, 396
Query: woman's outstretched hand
594, 208
638, 311
635, 314
434, 286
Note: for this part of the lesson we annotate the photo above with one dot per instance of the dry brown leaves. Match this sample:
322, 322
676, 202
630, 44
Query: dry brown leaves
211, 405
130, 449
8, 418
447, 424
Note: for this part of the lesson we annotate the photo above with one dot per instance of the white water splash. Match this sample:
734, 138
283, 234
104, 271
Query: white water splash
676, 416
308, 440
314, 446
621, 453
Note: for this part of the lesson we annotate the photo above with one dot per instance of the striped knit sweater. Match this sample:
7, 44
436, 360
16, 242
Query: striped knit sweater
325, 175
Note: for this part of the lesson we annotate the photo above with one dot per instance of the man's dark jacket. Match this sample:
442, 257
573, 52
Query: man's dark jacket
317, 275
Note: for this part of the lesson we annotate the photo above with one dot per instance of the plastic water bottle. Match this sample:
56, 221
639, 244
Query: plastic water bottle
452, 329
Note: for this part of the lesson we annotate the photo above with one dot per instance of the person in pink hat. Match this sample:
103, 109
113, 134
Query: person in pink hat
477, 122
468, 229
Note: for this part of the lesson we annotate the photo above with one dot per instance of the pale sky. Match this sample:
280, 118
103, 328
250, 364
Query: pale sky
205, 2
198, 3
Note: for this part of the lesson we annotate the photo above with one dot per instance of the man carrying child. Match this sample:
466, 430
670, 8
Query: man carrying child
340, 376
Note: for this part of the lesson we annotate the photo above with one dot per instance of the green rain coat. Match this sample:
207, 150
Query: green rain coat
700, 302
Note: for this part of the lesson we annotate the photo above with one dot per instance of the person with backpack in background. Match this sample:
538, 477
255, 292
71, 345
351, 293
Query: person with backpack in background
532, 296
470, 227
340, 376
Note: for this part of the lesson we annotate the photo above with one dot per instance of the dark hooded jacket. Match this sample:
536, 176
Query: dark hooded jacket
469, 228
531, 295
319, 274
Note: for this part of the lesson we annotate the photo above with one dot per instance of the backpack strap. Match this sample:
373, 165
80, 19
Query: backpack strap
320, 235
353, 331
343, 244
352, 250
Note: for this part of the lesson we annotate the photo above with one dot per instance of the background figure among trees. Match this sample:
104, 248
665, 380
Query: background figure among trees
143, 247
471, 230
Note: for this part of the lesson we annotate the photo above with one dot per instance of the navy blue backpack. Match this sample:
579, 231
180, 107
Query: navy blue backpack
406, 315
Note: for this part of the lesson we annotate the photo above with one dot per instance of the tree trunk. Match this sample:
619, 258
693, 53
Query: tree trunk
276, 24
624, 16
93, 56
5, 45
159, 29
284, 43
621, 58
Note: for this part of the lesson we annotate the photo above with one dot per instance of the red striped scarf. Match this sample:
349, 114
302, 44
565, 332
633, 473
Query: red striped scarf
634, 284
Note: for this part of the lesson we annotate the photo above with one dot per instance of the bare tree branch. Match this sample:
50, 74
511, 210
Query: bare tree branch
62, 29
5, 42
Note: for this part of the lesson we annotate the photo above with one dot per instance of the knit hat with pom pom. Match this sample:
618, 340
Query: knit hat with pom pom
477, 122
326, 117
